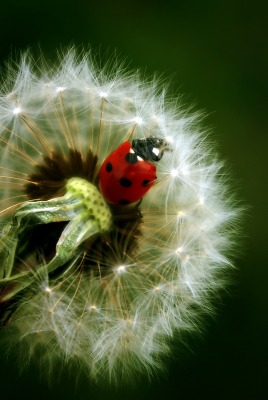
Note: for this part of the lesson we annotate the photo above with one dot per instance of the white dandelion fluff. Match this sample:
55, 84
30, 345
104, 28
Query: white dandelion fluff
89, 280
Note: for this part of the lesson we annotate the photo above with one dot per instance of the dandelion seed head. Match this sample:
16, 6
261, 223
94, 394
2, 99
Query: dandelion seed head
121, 288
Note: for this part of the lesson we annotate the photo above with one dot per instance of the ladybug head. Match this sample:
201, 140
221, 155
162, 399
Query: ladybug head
150, 149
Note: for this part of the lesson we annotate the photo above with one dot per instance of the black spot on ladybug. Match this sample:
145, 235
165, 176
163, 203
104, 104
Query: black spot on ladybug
125, 182
109, 167
123, 202
131, 158
145, 182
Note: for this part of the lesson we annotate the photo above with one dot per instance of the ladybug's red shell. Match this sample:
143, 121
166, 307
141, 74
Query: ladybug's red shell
125, 177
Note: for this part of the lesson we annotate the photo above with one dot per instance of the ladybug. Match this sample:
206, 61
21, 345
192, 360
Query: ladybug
128, 172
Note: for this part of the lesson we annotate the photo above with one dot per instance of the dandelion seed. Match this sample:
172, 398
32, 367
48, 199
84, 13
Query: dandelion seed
17, 110
121, 269
179, 250
174, 173
116, 221
180, 214
48, 290
138, 120
60, 89
103, 95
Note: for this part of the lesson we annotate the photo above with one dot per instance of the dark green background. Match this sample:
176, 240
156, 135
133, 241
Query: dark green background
217, 55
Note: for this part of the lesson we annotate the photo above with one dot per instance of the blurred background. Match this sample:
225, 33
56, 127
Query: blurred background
216, 53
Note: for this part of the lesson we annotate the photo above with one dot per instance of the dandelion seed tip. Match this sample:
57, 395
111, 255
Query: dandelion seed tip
201, 200
16, 110
174, 173
121, 268
179, 250
93, 308
138, 120
180, 214
47, 290
60, 89
103, 95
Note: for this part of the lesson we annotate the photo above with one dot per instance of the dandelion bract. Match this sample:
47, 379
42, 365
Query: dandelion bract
82, 281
